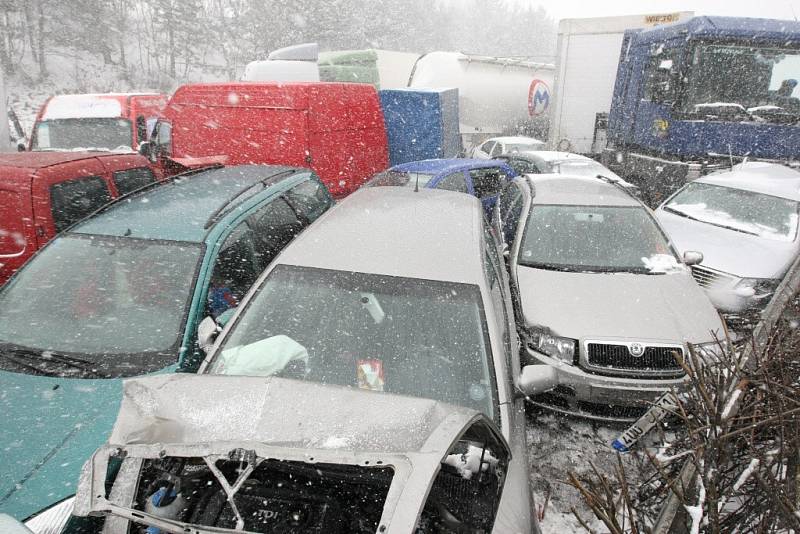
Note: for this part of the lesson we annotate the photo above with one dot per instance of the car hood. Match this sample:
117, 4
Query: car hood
215, 417
49, 427
729, 251
665, 308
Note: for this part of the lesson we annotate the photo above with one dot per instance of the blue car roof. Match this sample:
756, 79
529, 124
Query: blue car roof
438, 166
180, 210
753, 29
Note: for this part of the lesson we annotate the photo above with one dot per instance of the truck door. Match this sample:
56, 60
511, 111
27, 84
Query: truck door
66, 193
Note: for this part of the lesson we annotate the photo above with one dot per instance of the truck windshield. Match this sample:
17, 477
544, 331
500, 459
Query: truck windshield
91, 306
594, 239
744, 80
86, 133
381, 333
743, 211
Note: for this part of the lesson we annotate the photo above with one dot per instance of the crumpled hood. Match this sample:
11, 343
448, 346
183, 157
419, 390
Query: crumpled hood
665, 308
729, 251
50, 426
191, 409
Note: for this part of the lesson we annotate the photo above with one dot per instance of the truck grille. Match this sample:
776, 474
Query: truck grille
708, 278
616, 359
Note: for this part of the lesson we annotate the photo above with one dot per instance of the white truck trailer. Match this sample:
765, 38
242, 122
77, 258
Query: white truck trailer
496, 96
587, 54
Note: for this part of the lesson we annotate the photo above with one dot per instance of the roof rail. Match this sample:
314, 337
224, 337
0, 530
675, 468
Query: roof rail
108, 205
228, 205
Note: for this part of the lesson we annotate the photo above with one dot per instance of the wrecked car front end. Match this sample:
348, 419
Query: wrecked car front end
212, 454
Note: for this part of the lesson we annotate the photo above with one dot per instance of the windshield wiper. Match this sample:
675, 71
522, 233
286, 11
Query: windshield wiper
46, 360
727, 227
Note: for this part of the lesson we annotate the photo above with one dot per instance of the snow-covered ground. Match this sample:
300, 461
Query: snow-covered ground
558, 444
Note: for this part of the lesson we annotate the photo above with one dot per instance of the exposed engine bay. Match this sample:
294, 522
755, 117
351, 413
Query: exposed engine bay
266, 495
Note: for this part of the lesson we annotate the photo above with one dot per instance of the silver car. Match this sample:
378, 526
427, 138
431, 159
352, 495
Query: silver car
604, 304
384, 354
745, 222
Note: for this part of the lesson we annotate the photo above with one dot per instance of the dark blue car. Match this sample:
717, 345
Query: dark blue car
482, 178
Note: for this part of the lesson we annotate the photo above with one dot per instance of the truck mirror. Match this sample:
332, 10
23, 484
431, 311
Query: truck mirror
147, 149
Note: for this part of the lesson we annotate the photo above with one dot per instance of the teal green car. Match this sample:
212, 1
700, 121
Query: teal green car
122, 294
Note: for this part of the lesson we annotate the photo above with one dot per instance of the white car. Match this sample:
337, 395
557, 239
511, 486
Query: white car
491, 148
745, 222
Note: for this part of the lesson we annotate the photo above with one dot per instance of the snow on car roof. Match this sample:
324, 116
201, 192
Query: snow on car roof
429, 234
553, 155
437, 166
578, 190
759, 177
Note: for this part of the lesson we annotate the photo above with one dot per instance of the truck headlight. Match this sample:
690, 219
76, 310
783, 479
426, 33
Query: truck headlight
562, 348
53, 519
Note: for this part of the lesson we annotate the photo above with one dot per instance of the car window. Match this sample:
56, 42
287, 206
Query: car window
487, 146
274, 225
310, 199
453, 182
497, 150
487, 182
523, 166
132, 179
73, 200
235, 270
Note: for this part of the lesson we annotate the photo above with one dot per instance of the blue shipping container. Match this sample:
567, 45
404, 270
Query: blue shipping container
421, 123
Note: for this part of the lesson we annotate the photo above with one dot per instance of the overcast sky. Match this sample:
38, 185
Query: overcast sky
775, 9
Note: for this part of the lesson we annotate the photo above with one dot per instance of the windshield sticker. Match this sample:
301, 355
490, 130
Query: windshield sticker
370, 374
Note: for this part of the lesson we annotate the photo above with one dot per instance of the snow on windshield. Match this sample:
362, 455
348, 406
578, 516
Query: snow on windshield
736, 209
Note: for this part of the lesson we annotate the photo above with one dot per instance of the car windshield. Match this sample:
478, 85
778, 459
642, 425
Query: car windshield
71, 134
382, 333
400, 178
736, 209
595, 239
91, 305
744, 77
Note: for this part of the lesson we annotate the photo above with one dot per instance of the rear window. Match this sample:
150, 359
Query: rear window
133, 179
400, 178
12, 240
73, 200
310, 199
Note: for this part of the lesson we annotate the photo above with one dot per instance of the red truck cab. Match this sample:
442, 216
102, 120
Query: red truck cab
336, 129
44, 193
112, 121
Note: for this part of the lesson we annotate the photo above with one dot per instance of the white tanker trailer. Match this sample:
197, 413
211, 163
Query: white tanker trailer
497, 96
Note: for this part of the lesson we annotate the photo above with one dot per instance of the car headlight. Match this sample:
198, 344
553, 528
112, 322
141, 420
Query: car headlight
53, 519
562, 348
758, 288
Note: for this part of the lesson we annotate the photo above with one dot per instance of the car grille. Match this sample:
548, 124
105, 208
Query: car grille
708, 278
615, 359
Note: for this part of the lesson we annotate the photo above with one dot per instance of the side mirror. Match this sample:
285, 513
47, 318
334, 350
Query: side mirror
535, 379
207, 332
21, 146
692, 257
148, 150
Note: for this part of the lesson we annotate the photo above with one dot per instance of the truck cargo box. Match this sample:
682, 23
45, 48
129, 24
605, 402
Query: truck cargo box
421, 123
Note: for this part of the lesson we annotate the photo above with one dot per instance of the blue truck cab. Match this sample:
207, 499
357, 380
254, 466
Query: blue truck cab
699, 95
